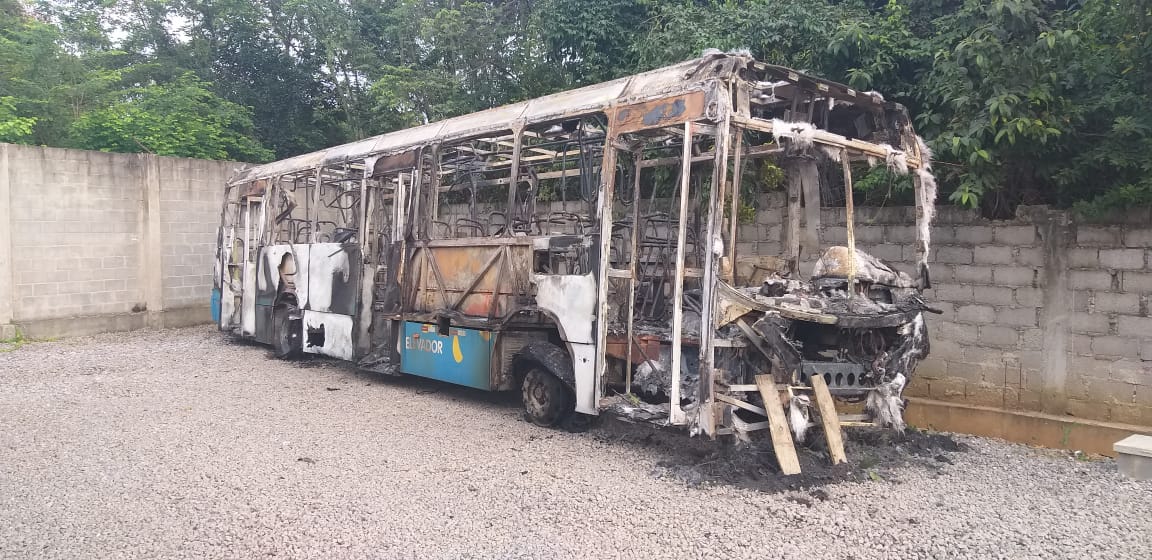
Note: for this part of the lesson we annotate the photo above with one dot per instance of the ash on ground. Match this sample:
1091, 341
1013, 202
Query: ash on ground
873, 455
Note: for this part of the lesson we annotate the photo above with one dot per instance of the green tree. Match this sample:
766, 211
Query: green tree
182, 118
13, 128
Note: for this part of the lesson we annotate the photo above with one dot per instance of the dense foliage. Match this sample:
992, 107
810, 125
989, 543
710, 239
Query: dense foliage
1023, 101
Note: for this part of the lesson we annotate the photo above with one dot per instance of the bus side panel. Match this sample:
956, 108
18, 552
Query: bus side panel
463, 357
329, 334
334, 278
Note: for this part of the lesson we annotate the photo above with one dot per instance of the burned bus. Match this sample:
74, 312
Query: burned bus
586, 249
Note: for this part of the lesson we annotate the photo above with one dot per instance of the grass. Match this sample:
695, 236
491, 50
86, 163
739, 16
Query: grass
14, 343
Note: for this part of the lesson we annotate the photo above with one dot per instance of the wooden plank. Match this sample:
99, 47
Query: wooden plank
778, 426
726, 343
740, 388
830, 420
741, 404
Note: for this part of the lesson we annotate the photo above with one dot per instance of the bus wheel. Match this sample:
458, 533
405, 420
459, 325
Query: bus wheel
286, 344
546, 399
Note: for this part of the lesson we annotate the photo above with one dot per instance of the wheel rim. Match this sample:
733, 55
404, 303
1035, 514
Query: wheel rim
287, 336
543, 398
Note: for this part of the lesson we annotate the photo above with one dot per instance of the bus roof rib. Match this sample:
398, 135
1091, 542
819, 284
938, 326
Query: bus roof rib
690, 75
588, 99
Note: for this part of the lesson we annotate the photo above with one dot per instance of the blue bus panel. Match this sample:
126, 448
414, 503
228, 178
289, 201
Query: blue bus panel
463, 357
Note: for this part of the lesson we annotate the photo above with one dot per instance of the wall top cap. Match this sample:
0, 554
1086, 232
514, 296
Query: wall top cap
1135, 444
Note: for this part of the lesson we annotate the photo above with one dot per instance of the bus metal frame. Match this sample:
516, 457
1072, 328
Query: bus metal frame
350, 252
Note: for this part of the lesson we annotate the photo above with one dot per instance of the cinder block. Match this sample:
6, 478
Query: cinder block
995, 335
1130, 414
1089, 323
834, 235
1032, 339
1015, 235
1030, 360
37, 276
112, 262
994, 295
1124, 259
1138, 282
931, 368
973, 274
956, 215
1029, 297
1081, 344
747, 232
953, 292
768, 216
985, 394
1088, 410
1023, 317
961, 333
975, 314
954, 255
1128, 304
1138, 238
946, 349
1128, 325
1014, 276
1108, 391
833, 215
974, 235
900, 234
1091, 280
1084, 257
943, 235
947, 389
1130, 372
1082, 300
993, 254
1116, 347
1098, 236
888, 252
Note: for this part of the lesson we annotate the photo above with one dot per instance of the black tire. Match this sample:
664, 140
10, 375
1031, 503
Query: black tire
547, 401
287, 343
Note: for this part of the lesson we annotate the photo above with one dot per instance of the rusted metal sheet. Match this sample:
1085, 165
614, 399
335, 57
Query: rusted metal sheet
396, 162
643, 348
477, 281
659, 113
255, 188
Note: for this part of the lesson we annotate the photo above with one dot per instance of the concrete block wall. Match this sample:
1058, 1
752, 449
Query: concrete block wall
75, 228
191, 191
1040, 313
94, 241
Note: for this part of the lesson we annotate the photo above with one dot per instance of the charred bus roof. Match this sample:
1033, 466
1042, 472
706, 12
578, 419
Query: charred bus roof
772, 92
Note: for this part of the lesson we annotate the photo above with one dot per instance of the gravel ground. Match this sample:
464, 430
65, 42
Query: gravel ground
182, 444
